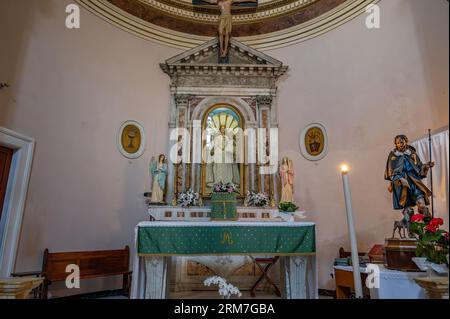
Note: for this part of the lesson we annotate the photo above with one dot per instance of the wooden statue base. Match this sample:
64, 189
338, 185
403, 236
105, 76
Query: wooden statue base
399, 253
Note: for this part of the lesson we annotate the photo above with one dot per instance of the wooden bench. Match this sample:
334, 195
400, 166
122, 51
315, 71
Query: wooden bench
344, 279
92, 264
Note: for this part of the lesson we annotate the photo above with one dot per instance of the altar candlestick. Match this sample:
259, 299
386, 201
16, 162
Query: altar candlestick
351, 231
175, 185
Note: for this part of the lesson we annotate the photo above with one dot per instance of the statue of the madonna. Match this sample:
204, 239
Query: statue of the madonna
222, 165
158, 171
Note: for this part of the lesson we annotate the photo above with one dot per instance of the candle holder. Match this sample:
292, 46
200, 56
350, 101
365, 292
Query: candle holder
175, 185
352, 232
272, 202
174, 200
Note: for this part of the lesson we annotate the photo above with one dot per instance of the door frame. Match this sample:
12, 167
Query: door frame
16, 192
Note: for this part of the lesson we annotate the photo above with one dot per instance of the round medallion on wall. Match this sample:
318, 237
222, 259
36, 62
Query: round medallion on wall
314, 142
131, 139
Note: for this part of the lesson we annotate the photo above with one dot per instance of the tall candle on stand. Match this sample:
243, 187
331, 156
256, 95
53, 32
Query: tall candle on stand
351, 232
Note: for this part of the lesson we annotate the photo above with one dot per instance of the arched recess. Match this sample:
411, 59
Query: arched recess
199, 113
242, 106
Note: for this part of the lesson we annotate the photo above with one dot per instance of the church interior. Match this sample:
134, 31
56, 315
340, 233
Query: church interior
256, 149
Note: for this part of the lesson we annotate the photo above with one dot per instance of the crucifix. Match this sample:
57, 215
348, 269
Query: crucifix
225, 20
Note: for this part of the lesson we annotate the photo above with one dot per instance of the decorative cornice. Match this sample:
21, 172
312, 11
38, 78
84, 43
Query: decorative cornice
225, 69
263, 65
296, 28
210, 14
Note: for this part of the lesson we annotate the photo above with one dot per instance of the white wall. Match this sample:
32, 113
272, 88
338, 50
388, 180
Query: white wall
71, 90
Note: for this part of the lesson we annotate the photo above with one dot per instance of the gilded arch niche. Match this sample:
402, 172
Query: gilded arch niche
241, 105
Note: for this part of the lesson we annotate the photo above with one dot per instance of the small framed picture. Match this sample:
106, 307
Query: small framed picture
314, 142
131, 139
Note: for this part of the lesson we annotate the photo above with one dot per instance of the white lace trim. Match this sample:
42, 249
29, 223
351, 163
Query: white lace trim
398, 153
222, 224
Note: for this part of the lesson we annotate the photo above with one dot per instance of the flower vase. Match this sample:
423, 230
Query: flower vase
436, 287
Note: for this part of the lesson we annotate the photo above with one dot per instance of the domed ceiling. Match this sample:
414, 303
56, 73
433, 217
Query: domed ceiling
268, 25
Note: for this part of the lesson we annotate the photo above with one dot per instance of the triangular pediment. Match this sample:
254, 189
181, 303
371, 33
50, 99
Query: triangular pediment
239, 54
245, 67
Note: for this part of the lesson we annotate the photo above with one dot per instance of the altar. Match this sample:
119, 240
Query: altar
157, 241
223, 137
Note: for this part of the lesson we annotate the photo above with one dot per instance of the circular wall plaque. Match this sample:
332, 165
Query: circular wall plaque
314, 142
131, 139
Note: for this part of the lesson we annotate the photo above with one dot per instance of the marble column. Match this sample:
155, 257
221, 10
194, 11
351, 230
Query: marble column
252, 142
182, 106
293, 270
196, 157
264, 104
157, 277
170, 164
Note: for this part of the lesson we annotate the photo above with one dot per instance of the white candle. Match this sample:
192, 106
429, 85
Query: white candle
352, 234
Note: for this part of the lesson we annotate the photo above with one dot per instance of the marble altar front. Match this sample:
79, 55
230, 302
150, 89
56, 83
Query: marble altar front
158, 241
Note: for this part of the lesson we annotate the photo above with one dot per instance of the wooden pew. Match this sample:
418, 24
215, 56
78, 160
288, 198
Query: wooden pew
92, 264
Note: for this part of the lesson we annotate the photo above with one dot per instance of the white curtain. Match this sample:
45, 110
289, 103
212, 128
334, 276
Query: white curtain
440, 155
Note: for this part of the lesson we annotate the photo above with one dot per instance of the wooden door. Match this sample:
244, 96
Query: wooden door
5, 165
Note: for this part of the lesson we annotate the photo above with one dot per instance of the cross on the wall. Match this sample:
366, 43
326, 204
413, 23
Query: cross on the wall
225, 19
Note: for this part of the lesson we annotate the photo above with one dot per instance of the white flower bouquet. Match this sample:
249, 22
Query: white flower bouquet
257, 199
188, 198
226, 290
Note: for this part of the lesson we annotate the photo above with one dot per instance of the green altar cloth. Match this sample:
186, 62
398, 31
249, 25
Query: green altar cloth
225, 238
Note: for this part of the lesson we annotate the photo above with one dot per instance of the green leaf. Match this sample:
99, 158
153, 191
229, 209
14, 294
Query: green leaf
419, 251
287, 207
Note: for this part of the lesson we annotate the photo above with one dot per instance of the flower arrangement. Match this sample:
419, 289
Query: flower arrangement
226, 290
432, 242
188, 198
287, 207
257, 199
224, 188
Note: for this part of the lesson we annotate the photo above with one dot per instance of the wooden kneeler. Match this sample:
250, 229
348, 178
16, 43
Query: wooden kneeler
265, 264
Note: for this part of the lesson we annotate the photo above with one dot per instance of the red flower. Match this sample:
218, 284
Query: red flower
436, 222
431, 228
417, 218
445, 236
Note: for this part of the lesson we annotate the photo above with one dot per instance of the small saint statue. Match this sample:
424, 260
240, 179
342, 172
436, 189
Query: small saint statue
225, 22
287, 180
405, 171
158, 170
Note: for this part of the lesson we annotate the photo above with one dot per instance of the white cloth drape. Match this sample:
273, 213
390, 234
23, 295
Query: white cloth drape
440, 155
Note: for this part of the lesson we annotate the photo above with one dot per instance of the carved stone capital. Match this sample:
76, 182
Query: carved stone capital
264, 100
182, 99
299, 261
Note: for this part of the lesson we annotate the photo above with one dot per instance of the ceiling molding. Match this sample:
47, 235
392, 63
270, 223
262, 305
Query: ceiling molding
267, 41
